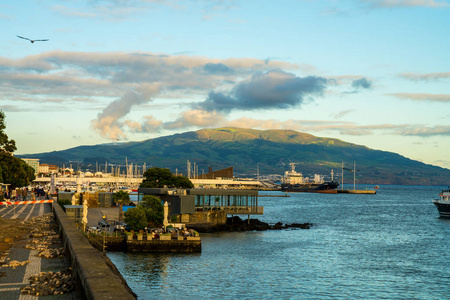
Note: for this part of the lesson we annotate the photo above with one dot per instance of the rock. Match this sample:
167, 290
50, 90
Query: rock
237, 224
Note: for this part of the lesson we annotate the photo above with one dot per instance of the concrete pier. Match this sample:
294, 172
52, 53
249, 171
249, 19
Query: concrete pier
121, 243
368, 192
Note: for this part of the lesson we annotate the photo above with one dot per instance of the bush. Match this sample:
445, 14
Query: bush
136, 218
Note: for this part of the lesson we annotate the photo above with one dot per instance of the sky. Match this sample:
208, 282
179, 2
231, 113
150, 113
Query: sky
369, 72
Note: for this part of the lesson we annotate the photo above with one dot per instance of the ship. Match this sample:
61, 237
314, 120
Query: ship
443, 203
295, 182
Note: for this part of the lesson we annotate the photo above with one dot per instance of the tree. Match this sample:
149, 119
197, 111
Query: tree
150, 213
6, 146
121, 197
154, 210
183, 182
136, 218
160, 178
15, 171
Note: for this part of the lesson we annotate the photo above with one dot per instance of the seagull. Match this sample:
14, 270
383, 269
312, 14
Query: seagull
32, 41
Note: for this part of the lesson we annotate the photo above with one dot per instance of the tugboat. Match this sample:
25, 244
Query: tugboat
295, 182
443, 204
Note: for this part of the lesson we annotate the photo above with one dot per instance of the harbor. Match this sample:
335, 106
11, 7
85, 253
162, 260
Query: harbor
366, 248
316, 209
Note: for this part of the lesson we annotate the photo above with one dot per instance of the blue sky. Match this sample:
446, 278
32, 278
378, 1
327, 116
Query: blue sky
370, 72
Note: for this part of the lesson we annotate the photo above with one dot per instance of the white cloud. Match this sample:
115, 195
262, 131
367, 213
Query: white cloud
406, 3
425, 77
197, 118
422, 97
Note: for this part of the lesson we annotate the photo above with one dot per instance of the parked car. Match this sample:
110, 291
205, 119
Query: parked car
121, 226
103, 224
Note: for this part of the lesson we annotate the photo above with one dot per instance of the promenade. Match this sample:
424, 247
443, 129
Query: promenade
18, 263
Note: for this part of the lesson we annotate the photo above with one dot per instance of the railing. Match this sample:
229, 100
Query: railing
235, 210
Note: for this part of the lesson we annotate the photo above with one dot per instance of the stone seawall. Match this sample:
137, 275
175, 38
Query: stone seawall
92, 274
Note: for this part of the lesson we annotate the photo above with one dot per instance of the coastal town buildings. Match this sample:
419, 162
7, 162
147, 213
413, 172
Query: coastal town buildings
34, 163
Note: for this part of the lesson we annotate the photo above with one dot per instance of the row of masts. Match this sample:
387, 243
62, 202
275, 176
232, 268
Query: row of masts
131, 170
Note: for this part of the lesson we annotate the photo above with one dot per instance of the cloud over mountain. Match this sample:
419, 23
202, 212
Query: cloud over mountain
266, 90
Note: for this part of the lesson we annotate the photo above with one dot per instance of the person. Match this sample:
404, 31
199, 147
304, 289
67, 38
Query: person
24, 193
13, 194
7, 195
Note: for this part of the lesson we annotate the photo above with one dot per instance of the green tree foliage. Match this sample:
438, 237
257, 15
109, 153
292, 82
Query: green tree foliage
150, 213
121, 197
183, 182
6, 146
15, 171
154, 210
136, 218
160, 178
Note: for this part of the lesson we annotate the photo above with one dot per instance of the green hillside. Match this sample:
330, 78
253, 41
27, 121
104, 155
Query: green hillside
243, 149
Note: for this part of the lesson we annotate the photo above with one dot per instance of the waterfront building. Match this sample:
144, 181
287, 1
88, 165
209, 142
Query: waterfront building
207, 206
34, 163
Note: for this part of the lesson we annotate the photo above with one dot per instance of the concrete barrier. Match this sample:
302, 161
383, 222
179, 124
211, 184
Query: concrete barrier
92, 274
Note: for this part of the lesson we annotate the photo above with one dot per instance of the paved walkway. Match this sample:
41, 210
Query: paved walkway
12, 279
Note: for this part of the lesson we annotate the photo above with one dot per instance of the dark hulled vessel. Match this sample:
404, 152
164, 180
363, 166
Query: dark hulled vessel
295, 182
443, 203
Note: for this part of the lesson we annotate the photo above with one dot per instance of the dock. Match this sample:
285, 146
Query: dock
368, 192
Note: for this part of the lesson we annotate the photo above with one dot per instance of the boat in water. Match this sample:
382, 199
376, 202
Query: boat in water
295, 182
443, 203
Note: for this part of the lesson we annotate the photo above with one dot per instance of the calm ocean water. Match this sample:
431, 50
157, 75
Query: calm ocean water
391, 245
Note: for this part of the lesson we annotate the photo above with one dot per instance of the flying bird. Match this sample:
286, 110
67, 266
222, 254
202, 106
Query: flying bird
32, 41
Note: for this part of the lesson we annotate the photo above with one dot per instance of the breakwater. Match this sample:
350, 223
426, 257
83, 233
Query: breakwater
92, 274
237, 224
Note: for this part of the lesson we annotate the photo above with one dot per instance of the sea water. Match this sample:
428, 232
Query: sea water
391, 245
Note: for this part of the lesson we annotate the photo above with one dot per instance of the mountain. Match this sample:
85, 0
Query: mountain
244, 149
